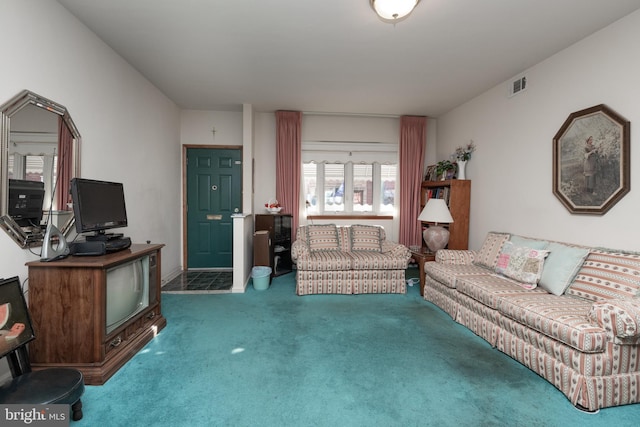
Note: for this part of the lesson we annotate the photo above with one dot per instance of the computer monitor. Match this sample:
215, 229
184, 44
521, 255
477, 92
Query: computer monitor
26, 200
98, 205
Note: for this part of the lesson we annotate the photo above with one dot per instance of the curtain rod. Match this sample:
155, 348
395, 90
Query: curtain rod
322, 113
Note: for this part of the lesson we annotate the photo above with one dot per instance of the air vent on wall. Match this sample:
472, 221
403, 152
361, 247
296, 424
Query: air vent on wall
517, 85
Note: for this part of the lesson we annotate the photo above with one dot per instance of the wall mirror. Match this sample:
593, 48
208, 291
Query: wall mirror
40, 153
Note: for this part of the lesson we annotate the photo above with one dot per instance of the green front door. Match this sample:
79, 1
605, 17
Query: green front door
214, 193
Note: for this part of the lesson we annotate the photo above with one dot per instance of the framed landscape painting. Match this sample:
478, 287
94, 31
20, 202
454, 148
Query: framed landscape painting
591, 160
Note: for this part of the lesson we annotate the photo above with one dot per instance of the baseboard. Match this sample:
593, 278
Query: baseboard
170, 276
235, 290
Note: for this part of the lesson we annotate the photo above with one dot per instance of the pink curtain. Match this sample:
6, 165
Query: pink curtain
288, 163
65, 166
413, 138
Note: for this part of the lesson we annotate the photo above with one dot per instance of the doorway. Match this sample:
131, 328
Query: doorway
212, 193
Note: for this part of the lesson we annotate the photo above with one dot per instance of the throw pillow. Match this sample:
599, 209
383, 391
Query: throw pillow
521, 263
529, 243
488, 254
561, 266
607, 274
322, 237
365, 238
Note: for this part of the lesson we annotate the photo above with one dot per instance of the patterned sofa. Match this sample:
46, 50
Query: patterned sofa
569, 313
352, 259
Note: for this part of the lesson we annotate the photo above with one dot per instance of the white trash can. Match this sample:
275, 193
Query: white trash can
260, 276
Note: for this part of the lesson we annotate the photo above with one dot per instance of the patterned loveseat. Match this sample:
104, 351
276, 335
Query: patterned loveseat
569, 313
352, 259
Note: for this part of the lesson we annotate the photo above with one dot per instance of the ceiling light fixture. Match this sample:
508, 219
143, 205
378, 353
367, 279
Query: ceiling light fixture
393, 10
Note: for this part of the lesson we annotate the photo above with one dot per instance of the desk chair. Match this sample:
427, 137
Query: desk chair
47, 386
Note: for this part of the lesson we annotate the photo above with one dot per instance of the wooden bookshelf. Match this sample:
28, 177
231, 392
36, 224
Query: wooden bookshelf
457, 195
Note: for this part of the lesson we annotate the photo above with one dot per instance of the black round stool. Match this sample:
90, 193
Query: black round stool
48, 386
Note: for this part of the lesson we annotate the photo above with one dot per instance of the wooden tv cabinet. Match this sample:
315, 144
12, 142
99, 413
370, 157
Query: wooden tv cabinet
67, 303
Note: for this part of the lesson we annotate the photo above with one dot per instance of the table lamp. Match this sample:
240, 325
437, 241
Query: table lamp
436, 211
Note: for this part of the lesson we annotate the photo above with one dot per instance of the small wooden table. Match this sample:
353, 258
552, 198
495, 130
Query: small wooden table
420, 256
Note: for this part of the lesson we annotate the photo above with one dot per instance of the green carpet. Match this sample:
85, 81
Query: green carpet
271, 358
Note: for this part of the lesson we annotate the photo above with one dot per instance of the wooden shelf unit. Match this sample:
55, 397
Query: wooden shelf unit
279, 228
67, 303
457, 194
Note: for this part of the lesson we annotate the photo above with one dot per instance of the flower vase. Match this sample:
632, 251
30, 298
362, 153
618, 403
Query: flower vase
462, 165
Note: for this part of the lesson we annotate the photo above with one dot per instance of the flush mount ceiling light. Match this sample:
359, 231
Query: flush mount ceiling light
393, 10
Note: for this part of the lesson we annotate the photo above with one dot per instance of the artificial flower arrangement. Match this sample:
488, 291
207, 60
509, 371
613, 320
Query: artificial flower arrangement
273, 206
463, 153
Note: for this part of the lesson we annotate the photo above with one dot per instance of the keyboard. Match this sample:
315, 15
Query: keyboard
114, 245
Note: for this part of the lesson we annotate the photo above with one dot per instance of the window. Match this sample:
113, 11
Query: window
388, 187
333, 187
32, 167
362, 188
309, 187
348, 188
355, 182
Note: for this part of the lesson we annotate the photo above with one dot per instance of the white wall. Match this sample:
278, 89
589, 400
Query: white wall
196, 127
264, 150
350, 128
512, 166
130, 130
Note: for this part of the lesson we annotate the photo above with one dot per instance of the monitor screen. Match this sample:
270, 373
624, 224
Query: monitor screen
98, 205
26, 199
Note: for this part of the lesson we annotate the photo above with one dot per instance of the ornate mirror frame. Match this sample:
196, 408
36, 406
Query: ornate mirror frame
7, 111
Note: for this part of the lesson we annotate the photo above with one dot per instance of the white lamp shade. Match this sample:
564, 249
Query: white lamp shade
435, 210
393, 10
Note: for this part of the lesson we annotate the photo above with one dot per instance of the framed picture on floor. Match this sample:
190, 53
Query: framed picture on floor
15, 323
591, 160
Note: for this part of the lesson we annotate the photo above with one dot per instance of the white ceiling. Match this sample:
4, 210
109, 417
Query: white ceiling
336, 55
